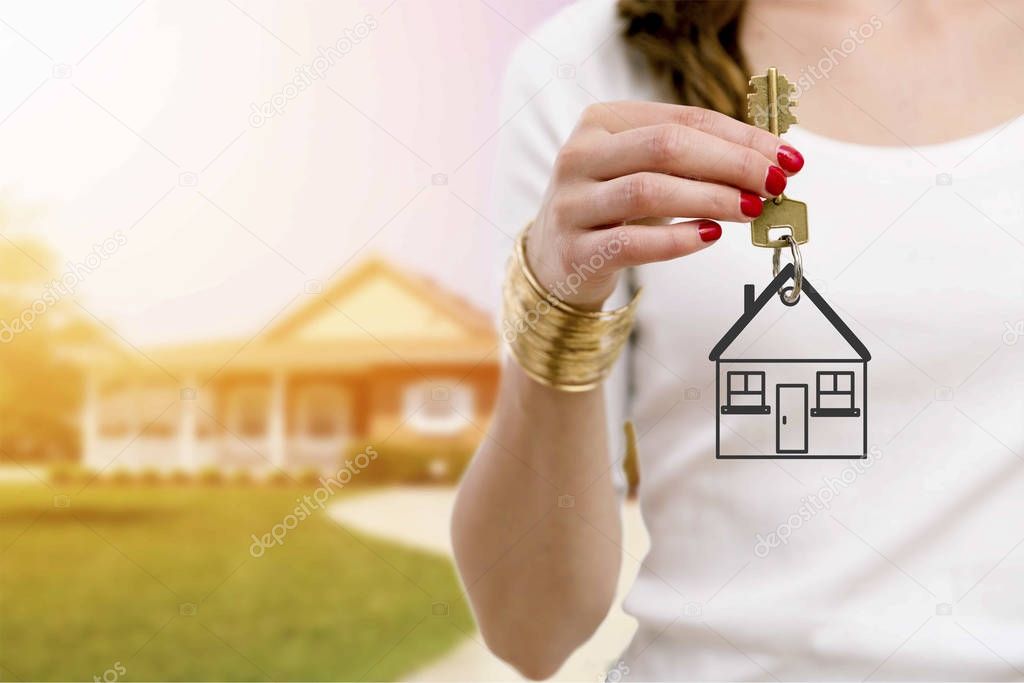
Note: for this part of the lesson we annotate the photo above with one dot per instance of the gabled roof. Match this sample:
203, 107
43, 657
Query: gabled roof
447, 306
766, 296
468, 336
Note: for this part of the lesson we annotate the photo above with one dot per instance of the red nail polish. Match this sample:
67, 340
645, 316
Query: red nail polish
789, 159
750, 204
775, 183
709, 231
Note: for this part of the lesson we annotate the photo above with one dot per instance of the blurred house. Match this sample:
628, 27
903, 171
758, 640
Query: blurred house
377, 356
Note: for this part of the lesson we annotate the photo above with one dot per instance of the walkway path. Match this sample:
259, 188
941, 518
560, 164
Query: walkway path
418, 517
23, 474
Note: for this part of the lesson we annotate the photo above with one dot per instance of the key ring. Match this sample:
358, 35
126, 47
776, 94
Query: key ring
790, 295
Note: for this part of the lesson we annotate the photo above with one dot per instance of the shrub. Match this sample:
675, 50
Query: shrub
180, 477
309, 477
279, 478
122, 476
425, 460
211, 476
242, 478
69, 473
150, 477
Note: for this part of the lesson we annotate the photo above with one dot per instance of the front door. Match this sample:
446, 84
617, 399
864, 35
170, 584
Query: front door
791, 418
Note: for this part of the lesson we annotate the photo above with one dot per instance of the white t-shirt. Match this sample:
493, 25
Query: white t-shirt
908, 564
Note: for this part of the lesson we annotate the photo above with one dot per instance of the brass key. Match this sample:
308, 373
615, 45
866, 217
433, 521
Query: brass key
770, 107
788, 213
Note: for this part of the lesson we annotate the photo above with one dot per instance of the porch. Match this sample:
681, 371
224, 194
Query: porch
264, 422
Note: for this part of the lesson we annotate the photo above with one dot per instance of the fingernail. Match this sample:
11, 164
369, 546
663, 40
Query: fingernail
709, 231
750, 204
789, 159
775, 183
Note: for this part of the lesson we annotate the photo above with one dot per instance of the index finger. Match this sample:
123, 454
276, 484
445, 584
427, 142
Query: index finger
617, 117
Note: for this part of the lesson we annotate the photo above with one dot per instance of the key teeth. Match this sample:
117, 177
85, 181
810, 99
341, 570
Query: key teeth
757, 102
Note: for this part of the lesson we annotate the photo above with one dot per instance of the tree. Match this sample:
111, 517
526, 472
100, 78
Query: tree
40, 386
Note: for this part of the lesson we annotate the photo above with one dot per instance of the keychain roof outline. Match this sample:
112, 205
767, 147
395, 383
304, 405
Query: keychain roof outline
772, 290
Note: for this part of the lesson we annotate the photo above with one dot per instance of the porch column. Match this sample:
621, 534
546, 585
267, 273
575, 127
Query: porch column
89, 421
187, 442
276, 437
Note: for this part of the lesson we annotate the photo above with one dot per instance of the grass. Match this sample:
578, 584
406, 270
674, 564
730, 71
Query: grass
160, 581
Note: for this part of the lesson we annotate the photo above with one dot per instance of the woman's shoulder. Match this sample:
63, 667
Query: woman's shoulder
582, 47
581, 26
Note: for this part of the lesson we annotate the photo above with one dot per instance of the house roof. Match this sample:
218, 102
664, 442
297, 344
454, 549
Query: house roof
374, 314
257, 355
444, 304
772, 290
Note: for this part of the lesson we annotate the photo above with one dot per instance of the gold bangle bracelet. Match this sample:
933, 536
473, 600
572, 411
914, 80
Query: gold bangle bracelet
555, 343
543, 292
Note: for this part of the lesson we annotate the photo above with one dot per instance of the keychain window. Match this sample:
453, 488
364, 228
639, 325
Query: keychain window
745, 393
835, 391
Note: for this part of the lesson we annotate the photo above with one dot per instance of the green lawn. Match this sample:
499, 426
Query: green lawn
159, 581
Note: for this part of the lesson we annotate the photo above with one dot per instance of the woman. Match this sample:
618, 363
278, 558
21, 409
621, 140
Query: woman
904, 565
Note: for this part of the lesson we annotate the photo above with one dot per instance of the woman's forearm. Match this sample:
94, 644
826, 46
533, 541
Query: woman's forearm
536, 527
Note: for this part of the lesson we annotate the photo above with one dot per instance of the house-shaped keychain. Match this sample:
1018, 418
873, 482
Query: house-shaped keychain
792, 382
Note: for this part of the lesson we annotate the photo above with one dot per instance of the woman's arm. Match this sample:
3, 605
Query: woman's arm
541, 576
540, 567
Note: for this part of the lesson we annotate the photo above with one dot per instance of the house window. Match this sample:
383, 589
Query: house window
835, 395
140, 411
322, 412
118, 414
438, 408
247, 411
158, 420
745, 394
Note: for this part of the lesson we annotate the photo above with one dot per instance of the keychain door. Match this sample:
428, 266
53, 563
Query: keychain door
791, 418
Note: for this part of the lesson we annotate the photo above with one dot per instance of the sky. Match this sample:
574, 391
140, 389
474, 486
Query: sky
236, 151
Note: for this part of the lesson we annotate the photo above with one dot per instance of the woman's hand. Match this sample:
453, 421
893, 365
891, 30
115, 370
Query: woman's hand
632, 161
